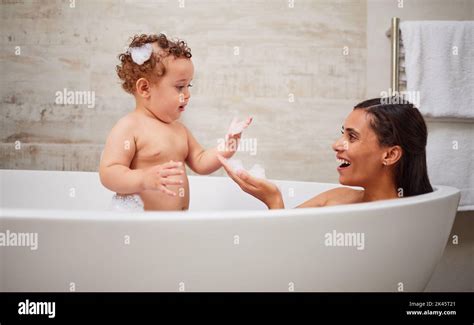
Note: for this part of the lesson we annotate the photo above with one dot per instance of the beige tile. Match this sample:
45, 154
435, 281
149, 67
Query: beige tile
282, 51
51, 156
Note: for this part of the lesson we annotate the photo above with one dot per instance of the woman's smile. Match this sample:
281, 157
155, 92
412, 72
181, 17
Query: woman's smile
343, 163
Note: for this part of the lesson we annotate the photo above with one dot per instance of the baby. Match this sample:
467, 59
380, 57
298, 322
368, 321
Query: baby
145, 152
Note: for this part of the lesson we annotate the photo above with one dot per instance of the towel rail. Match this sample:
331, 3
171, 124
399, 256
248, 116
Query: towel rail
397, 57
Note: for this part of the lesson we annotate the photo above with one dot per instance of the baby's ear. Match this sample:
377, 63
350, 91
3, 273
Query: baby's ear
143, 87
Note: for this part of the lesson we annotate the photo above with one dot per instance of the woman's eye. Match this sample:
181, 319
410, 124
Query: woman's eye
351, 137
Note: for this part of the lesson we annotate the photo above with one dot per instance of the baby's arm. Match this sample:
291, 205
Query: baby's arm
115, 172
204, 161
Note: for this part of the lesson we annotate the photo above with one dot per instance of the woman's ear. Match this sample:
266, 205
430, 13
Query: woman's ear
143, 87
392, 155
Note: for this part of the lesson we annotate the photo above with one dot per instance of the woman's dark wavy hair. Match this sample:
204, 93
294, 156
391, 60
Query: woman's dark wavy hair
398, 122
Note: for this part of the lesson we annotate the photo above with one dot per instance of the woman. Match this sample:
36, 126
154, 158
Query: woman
382, 150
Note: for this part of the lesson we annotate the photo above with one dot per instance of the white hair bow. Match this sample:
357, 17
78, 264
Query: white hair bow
141, 54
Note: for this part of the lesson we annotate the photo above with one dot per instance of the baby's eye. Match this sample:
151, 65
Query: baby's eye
180, 88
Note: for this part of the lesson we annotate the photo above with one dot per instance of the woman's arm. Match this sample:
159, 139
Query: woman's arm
268, 193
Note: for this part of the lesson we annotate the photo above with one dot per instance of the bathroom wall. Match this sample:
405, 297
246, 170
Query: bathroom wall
456, 269
297, 69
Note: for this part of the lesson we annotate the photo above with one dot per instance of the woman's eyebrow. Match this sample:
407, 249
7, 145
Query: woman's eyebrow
352, 130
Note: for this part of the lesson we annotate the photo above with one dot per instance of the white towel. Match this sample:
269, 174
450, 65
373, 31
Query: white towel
439, 63
450, 158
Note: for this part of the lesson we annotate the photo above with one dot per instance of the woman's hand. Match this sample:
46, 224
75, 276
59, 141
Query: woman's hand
265, 191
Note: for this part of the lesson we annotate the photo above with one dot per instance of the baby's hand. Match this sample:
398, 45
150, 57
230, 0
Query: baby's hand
155, 177
236, 128
235, 131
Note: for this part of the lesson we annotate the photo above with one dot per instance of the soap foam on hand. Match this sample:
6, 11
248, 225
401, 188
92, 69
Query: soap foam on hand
256, 170
236, 164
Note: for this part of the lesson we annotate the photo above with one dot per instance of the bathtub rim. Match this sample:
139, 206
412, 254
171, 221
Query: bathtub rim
440, 191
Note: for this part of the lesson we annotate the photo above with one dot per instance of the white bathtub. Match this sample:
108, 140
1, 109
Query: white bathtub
82, 247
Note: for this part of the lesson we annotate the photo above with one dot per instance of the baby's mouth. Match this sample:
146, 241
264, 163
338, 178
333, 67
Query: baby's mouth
182, 107
343, 163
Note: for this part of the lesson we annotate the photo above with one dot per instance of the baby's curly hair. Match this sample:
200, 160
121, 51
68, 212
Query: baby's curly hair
129, 72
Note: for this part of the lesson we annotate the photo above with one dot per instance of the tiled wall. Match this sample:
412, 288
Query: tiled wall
314, 52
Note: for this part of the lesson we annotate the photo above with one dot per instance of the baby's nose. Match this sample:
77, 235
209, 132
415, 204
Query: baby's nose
187, 93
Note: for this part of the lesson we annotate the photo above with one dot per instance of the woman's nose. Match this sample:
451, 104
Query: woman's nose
338, 145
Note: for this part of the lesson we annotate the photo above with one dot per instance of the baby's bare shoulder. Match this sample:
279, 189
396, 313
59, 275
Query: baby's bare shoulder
182, 129
179, 125
123, 130
126, 125
127, 121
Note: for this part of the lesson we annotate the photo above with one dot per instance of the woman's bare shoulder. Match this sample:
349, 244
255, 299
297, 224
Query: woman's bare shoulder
343, 195
335, 196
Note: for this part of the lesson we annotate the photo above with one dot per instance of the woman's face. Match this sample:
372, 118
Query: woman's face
359, 154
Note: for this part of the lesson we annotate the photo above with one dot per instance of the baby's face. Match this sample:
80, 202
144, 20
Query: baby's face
170, 95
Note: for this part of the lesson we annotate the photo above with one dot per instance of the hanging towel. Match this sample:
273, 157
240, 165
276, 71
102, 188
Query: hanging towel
439, 63
450, 158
